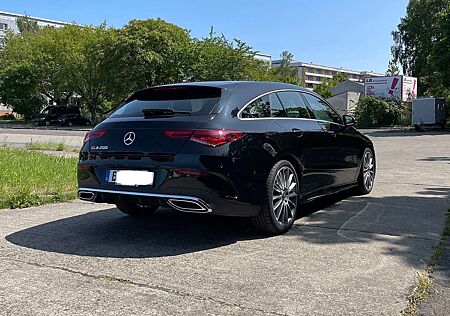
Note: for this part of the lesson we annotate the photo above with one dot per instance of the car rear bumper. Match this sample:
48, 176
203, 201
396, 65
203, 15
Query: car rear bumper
192, 204
197, 189
184, 203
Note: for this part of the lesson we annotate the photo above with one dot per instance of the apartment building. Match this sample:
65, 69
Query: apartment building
8, 23
310, 75
264, 58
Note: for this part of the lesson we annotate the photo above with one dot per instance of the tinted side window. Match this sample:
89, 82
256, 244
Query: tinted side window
276, 109
321, 110
266, 106
293, 104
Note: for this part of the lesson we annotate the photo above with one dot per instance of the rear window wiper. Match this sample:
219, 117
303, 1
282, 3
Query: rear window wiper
162, 112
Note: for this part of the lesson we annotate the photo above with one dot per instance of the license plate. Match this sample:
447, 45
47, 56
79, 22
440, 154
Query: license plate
130, 177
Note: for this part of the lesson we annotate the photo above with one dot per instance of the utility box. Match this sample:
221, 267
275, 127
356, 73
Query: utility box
428, 111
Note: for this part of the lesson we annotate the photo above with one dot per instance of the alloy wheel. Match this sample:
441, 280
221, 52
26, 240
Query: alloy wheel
284, 196
368, 170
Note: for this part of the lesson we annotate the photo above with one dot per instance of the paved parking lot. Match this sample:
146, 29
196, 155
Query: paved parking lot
345, 256
20, 137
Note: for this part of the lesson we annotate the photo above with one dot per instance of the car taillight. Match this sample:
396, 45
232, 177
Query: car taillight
94, 134
209, 137
182, 135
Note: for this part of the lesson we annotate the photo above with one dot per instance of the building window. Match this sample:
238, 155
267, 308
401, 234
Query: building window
3, 26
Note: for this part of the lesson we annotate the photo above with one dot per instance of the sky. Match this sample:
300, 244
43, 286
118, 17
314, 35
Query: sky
352, 34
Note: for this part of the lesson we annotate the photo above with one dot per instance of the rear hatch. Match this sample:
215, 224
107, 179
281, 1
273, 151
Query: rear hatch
140, 125
143, 136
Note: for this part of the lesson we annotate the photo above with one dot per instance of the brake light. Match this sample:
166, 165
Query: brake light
209, 137
216, 138
94, 134
182, 135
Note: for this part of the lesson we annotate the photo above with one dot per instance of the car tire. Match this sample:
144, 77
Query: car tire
366, 177
136, 210
279, 211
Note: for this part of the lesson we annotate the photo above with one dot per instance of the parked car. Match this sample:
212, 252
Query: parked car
51, 114
73, 119
255, 149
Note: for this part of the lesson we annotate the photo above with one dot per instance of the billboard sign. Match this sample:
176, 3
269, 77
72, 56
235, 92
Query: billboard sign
409, 88
391, 87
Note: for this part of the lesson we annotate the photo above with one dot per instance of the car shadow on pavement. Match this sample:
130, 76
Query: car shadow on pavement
109, 233
433, 159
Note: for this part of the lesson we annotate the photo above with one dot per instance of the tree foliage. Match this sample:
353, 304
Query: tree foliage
217, 58
101, 66
393, 69
285, 72
27, 25
20, 88
324, 88
422, 45
374, 112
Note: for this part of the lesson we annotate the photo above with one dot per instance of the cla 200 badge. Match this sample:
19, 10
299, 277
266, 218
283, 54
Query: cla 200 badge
99, 147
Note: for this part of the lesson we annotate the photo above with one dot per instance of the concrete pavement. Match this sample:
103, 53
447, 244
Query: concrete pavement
345, 256
20, 137
439, 301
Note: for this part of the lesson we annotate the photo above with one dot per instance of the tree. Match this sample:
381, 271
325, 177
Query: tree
393, 69
94, 72
19, 87
324, 88
422, 45
285, 72
46, 52
101, 66
217, 58
26, 25
62, 62
374, 112
152, 52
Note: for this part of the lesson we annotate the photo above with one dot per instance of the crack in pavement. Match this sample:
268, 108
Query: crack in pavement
368, 232
145, 285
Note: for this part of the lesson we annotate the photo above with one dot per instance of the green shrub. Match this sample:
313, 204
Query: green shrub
23, 200
373, 112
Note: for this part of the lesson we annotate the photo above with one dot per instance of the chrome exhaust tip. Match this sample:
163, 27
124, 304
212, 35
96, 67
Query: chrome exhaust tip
191, 206
87, 196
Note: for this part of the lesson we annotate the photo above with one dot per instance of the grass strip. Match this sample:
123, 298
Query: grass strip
423, 283
51, 146
30, 178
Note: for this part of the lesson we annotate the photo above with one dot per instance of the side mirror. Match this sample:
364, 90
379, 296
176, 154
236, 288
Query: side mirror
348, 120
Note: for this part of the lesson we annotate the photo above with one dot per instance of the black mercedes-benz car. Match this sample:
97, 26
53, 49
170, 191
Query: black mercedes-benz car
255, 149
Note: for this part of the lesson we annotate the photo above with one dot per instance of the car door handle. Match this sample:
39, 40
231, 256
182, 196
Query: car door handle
332, 134
297, 132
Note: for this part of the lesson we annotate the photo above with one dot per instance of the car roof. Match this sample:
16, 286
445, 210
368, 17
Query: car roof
242, 84
239, 92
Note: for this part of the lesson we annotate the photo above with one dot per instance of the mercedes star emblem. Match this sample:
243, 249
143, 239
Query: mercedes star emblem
129, 137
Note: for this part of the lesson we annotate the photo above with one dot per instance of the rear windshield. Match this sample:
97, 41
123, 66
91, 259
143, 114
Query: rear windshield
196, 100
